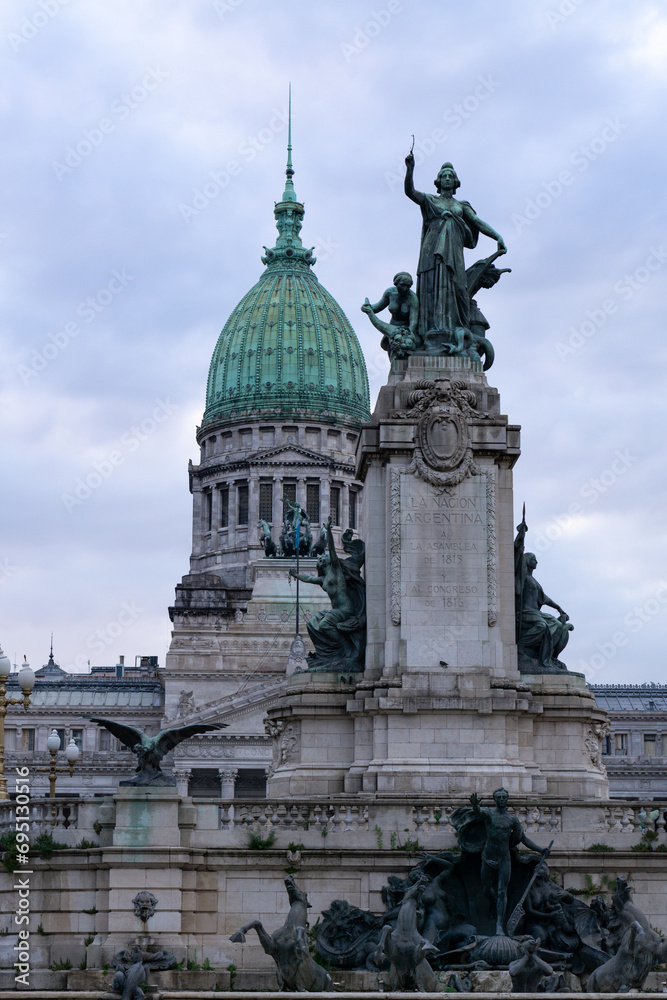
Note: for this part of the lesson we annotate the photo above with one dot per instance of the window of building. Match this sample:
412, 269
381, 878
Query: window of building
352, 521
208, 509
313, 438
245, 439
649, 744
250, 784
289, 493
204, 783
333, 440
267, 437
313, 502
266, 502
334, 505
61, 737
224, 506
28, 739
77, 736
242, 516
105, 740
620, 744
10, 739
606, 746
226, 441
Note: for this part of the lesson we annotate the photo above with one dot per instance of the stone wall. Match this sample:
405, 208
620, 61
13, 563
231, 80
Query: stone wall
208, 883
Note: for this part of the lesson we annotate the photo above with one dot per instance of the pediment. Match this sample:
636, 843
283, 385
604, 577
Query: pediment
289, 453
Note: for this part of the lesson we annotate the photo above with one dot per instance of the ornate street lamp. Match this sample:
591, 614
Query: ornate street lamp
26, 683
71, 753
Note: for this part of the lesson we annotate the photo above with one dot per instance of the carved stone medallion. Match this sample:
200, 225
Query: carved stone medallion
443, 438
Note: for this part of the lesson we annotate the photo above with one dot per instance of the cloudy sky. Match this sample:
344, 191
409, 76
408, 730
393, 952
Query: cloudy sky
142, 151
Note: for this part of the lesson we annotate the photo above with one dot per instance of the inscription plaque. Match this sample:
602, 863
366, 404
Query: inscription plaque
444, 555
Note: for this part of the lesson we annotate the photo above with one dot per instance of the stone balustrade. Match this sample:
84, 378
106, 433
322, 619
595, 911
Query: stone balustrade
297, 816
573, 826
67, 819
628, 818
225, 821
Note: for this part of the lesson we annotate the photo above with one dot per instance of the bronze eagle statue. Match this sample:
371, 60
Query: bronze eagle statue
150, 750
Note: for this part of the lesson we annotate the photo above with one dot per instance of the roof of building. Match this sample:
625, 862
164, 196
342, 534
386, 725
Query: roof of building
51, 670
140, 688
287, 349
631, 697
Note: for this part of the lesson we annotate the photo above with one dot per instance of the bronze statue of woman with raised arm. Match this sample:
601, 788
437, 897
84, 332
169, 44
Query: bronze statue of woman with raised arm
449, 225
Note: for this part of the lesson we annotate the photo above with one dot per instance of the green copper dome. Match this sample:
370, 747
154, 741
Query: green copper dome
287, 347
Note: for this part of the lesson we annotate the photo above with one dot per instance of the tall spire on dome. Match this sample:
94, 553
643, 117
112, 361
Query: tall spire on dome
289, 194
288, 212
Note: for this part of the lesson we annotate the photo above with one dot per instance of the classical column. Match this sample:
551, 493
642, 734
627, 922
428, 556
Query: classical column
278, 506
253, 509
325, 499
197, 526
227, 779
215, 514
182, 776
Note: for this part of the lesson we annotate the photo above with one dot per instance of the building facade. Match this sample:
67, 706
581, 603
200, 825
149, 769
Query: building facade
635, 750
287, 394
129, 693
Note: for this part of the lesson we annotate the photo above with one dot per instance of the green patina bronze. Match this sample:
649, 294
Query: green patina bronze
288, 347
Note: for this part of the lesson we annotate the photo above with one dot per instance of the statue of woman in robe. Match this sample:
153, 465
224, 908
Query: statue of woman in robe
449, 225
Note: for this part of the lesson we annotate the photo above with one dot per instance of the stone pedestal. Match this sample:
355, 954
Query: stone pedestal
313, 736
442, 706
147, 817
568, 734
152, 824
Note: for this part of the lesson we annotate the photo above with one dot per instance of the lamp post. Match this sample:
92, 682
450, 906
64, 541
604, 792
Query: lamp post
26, 683
71, 753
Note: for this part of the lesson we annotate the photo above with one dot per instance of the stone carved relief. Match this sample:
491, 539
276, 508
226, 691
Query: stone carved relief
288, 744
285, 743
186, 704
218, 643
443, 449
395, 545
491, 547
443, 438
186, 618
144, 905
217, 753
228, 774
593, 743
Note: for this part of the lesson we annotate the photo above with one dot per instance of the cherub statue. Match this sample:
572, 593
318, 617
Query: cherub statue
400, 337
